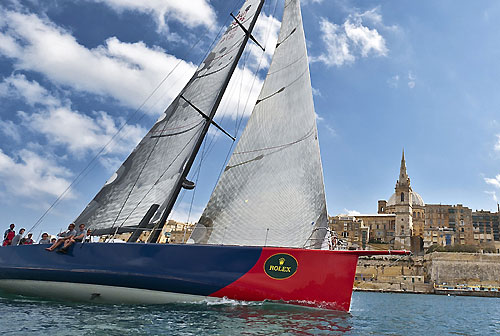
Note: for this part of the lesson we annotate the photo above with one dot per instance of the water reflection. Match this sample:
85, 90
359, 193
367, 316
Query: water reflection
276, 318
224, 317
371, 314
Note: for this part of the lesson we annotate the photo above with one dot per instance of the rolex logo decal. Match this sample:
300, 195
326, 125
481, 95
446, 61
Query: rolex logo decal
281, 266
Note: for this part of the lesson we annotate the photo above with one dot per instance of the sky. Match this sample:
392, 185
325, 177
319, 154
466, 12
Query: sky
386, 75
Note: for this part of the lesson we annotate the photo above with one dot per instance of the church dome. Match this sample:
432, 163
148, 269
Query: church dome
416, 200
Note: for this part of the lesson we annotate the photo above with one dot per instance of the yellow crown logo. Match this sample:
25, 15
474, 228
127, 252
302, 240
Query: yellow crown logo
282, 261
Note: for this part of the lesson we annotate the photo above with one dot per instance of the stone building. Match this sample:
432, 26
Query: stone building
442, 236
460, 220
439, 224
351, 230
486, 225
406, 222
173, 232
408, 208
382, 227
176, 232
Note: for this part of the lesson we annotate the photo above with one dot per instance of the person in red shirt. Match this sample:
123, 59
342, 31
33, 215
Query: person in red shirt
28, 240
9, 235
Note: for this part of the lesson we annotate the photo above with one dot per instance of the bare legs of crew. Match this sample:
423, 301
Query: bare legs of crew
56, 244
68, 243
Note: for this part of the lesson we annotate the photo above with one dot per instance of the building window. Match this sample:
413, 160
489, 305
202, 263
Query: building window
402, 197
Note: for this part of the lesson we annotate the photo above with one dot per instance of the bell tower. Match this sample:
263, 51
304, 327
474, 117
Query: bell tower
403, 209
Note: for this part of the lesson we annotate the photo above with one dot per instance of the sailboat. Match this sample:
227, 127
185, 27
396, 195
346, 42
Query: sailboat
260, 235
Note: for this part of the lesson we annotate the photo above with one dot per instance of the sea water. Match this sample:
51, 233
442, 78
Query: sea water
371, 314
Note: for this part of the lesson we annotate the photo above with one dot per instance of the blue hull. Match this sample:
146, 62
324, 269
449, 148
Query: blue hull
186, 269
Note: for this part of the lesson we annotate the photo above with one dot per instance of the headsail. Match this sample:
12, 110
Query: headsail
272, 192
151, 174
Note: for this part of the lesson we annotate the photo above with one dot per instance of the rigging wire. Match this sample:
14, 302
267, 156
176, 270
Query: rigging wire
238, 119
213, 139
194, 136
196, 182
247, 56
238, 124
92, 163
150, 189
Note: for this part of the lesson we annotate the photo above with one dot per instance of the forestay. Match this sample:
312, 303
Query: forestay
271, 192
151, 172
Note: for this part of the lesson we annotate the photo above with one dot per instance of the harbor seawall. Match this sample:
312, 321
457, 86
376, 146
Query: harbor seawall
436, 273
459, 268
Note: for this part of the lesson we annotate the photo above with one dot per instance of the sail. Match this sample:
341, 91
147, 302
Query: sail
151, 173
271, 192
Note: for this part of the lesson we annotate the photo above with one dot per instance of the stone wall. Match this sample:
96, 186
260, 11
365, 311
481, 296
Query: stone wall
463, 268
419, 274
390, 273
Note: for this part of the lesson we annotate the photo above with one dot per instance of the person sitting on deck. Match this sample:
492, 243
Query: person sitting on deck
69, 233
9, 235
88, 238
80, 235
17, 239
28, 240
45, 239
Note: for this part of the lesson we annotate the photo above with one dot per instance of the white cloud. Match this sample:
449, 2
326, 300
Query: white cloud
493, 195
80, 133
351, 212
321, 122
55, 119
33, 93
30, 174
244, 86
127, 72
344, 43
182, 212
337, 45
393, 82
372, 16
306, 2
331, 130
497, 145
316, 92
366, 39
411, 80
241, 95
191, 13
493, 181
11, 130
111, 164
266, 33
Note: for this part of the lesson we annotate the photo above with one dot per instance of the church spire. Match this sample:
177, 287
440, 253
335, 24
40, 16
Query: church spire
402, 170
404, 180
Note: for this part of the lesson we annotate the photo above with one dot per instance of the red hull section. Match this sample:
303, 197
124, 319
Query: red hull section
321, 278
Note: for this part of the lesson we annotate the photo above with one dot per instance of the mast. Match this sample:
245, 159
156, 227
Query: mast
155, 234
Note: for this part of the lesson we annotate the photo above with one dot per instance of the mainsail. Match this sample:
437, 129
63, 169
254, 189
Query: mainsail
152, 174
271, 192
